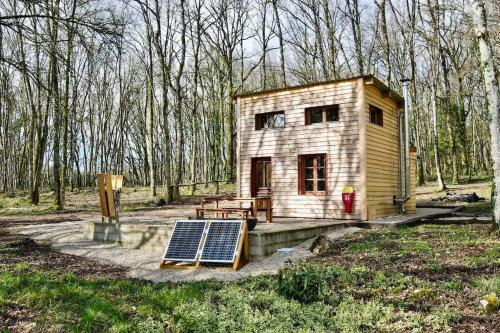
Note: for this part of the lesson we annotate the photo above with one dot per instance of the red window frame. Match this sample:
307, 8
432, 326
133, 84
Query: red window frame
302, 167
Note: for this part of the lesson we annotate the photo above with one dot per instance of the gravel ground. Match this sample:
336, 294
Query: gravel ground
66, 237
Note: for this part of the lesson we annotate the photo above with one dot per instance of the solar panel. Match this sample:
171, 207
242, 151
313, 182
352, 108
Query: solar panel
221, 241
185, 241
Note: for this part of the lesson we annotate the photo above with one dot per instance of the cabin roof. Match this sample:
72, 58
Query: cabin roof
371, 79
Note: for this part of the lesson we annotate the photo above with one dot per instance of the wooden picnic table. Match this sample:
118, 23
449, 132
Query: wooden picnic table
256, 204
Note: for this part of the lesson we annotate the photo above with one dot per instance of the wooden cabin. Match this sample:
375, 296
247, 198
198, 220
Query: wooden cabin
302, 145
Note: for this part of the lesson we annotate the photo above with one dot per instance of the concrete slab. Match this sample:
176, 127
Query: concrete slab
421, 214
462, 220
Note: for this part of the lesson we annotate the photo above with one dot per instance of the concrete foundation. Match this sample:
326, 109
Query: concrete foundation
151, 233
264, 240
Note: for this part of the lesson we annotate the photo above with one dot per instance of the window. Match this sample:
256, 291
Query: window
322, 114
312, 174
376, 115
270, 120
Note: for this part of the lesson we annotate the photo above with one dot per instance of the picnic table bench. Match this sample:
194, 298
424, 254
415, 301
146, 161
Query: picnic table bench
256, 204
224, 212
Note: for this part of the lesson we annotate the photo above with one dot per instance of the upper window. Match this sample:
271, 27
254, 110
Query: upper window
376, 115
312, 174
270, 120
322, 114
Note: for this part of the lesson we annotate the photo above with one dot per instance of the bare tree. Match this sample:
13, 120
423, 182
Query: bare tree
492, 94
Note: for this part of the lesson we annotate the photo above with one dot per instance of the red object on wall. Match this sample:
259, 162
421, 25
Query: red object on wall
348, 199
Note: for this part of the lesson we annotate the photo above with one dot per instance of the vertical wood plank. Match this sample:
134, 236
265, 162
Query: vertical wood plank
238, 148
109, 195
102, 194
363, 197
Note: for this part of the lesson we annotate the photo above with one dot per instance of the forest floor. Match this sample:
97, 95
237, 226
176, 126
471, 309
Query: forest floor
87, 200
426, 278
427, 195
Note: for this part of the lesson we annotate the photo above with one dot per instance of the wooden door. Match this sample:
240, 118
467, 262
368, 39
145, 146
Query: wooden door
261, 178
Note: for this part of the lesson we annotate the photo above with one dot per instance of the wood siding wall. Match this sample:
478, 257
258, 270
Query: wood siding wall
382, 145
339, 140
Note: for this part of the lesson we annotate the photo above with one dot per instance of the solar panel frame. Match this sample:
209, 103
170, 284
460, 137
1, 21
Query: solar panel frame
214, 245
185, 230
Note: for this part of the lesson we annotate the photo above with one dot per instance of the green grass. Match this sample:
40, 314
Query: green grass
77, 305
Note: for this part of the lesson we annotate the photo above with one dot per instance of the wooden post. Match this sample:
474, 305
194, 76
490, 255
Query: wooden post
255, 208
106, 183
109, 195
102, 195
242, 252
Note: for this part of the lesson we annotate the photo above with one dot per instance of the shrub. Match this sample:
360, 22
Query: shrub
302, 282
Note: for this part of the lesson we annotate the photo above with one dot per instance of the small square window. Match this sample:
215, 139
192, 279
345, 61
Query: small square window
322, 114
376, 115
270, 120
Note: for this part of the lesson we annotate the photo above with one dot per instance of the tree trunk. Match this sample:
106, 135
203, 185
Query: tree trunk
437, 159
54, 91
355, 20
331, 40
149, 129
492, 96
67, 70
179, 102
280, 40
385, 42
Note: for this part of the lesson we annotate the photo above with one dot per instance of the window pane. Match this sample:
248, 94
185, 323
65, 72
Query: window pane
309, 161
321, 161
373, 116
309, 185
316, 116
279, 120
268, 175
332, 114
260, 173
376, 116
321, 185
321, 173
267, 121
309, 173
380, 119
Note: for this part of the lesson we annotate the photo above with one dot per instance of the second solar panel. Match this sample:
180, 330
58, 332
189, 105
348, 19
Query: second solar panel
221, 241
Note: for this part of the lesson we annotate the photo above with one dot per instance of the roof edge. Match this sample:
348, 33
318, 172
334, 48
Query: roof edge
376, 82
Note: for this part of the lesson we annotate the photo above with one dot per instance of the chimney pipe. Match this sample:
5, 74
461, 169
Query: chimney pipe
404, 197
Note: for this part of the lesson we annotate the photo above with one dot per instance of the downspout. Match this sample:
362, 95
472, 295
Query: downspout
406, 196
